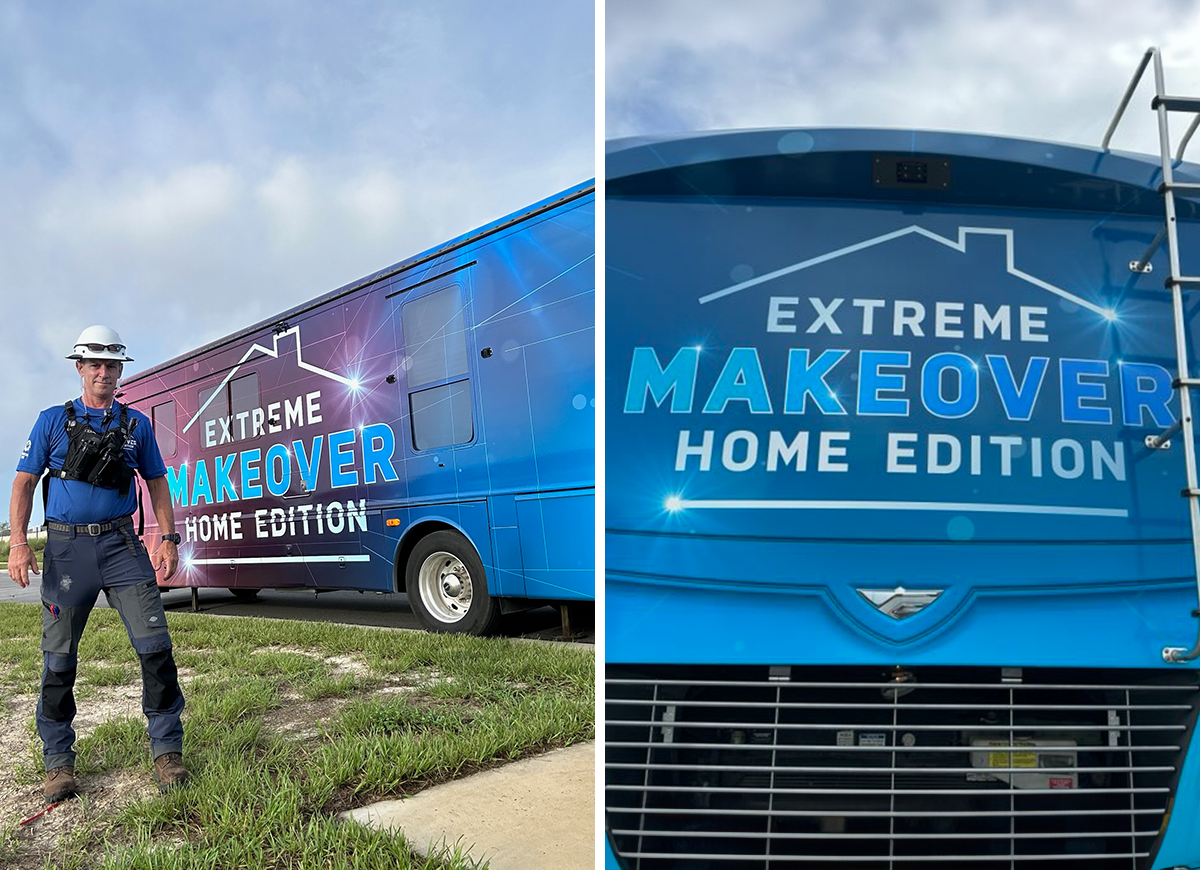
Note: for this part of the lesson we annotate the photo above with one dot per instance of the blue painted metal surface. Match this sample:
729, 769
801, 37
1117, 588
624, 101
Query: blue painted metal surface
293, 441
821, 380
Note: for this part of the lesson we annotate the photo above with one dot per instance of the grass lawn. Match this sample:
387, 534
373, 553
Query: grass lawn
287, 723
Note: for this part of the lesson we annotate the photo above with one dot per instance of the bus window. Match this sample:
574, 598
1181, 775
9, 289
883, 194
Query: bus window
435, 336
211, 418
243, 399
441, 416
162, 420
435, 342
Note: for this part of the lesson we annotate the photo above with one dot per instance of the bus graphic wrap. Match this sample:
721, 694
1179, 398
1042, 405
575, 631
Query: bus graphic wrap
451, 395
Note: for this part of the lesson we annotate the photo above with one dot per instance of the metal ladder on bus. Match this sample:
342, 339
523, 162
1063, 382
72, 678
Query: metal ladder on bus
1177, 283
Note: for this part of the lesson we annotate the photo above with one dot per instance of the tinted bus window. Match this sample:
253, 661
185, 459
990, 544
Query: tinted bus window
211, 418
435, 336
243, 399
441, 416
435, 341
162, 419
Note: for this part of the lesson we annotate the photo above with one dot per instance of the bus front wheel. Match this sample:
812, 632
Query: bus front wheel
447, 587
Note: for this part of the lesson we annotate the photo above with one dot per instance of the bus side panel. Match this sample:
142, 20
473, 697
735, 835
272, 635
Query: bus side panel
534, 316
558, 543
508, 577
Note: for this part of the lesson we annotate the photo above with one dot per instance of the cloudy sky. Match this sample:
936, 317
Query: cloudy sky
182, 170
1045, 70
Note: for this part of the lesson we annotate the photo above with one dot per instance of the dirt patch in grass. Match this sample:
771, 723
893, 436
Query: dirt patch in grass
303, 720
340, 665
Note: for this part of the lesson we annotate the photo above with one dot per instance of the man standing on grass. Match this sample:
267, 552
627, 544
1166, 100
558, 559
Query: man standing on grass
92, 446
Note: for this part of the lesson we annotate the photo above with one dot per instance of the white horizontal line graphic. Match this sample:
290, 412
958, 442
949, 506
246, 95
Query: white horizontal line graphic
271, 560
947, 506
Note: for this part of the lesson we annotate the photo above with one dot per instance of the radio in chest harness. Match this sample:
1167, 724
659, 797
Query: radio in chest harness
95, 457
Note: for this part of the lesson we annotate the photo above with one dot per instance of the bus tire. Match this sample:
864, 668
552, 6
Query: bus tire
447, 587
244, 594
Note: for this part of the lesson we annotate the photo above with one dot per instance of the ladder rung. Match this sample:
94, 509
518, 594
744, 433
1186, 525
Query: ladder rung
1176, 104
1185, 382
1183, 281
1185, 186
1190, 493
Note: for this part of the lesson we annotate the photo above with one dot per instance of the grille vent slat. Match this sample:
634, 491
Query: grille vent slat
818, 813
1063, 794
747, 834
985, 861
885, 727
1014, 707
900, 771
772, 747
721, 767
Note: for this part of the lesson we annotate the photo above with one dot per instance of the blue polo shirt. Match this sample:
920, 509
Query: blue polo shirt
74, 501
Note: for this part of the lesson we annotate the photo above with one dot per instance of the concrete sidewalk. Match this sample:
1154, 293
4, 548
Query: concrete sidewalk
533, 814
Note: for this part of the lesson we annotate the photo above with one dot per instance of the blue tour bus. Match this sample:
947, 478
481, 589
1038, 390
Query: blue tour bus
427, 429
898, 572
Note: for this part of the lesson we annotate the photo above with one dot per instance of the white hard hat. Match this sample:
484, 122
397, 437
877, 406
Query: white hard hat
100, 342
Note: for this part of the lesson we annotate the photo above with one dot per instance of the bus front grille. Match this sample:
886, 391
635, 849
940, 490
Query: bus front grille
753, 768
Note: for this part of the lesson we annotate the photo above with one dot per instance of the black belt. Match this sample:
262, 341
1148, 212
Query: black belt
93, 529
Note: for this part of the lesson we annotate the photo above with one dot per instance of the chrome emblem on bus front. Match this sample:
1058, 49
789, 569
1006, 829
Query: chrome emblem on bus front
900, 603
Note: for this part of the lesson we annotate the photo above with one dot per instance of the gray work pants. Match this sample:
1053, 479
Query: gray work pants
77, 567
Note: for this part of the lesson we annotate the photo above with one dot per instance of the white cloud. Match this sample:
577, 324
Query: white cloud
289, 203
139, 210
374, 203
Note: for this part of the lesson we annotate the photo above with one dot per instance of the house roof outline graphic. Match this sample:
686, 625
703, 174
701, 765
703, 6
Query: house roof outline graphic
960, 245
272, 352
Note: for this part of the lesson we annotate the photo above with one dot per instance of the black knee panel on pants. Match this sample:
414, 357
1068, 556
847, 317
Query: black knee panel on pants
160, 680
58, 701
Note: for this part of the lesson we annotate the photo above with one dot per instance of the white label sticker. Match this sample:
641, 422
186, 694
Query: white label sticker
845, 738
873, 739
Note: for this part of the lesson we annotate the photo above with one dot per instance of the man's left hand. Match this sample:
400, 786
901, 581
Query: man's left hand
165, 558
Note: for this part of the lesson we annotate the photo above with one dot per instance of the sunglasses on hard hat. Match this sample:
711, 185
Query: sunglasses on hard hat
97, 348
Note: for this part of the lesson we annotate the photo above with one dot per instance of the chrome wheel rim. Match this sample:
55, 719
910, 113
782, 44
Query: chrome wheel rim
445, 585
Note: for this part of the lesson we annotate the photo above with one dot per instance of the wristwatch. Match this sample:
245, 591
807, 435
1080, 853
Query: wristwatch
175, 538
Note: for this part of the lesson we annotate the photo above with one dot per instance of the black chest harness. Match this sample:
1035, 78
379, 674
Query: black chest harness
97, 458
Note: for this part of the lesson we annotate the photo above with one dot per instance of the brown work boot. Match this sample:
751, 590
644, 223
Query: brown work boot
169, 771
60, 784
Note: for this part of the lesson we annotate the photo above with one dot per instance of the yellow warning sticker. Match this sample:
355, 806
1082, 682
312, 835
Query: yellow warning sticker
1012, 759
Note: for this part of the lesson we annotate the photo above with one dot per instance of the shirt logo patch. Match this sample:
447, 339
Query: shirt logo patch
28, 447
65, 583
